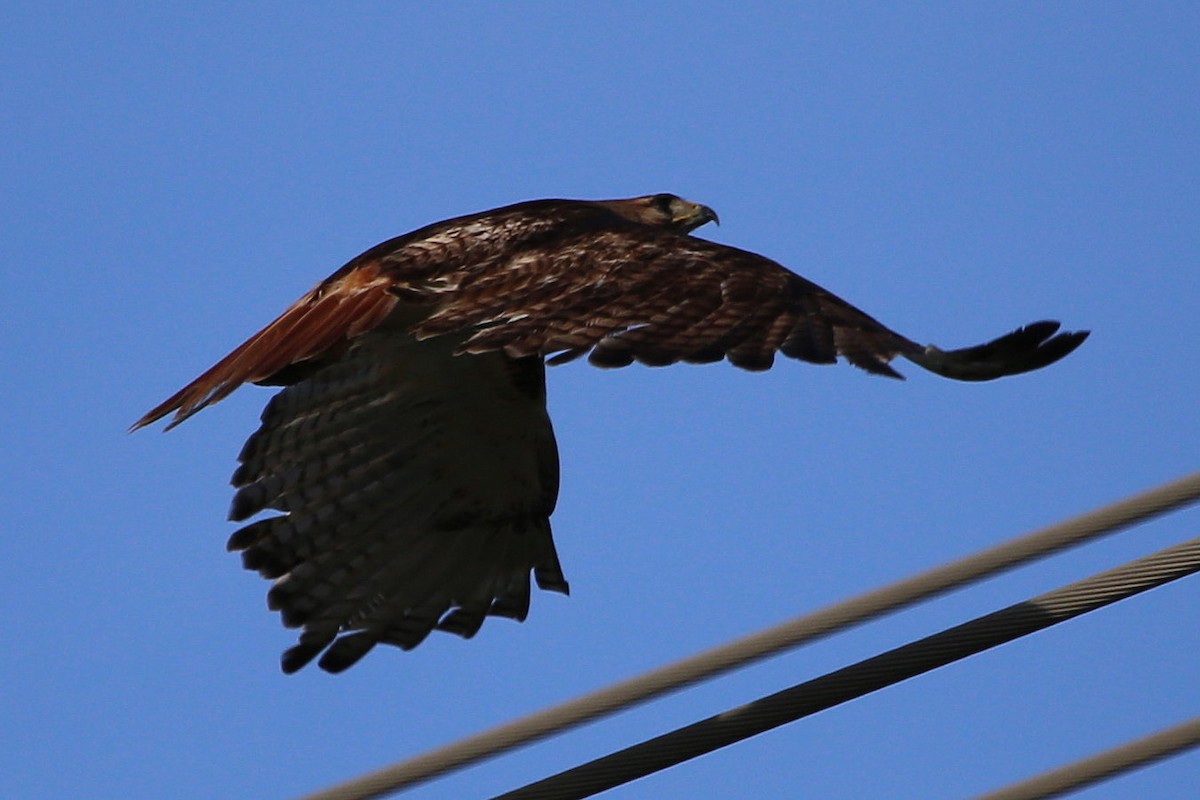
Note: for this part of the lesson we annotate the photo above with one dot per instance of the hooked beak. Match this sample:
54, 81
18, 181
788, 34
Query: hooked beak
696, 216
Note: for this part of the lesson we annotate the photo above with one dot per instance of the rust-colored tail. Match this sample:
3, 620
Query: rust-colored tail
317, 324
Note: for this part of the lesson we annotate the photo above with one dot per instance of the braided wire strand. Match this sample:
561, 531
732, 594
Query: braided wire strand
807, 627
864, 677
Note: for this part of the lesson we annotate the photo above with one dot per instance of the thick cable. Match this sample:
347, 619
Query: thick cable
757, 646
866, 676
1101, 766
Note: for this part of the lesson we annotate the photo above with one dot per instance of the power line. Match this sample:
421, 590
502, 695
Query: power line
1086, 771
866, 676
757, 646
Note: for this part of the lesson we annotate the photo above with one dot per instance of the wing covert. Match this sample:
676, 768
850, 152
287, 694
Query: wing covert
658, 297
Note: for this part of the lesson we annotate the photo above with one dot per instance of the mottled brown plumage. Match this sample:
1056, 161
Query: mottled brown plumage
410, 453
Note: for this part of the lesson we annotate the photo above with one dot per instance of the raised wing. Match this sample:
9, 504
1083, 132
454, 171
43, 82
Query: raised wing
641, 294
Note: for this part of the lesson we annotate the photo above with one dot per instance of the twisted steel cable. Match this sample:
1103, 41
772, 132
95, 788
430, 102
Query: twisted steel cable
505, 737
1101, 766
867, 676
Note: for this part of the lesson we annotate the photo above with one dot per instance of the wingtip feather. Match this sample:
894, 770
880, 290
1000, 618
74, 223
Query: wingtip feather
1030, 347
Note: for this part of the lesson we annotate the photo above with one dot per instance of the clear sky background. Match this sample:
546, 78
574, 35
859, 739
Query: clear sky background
175, 174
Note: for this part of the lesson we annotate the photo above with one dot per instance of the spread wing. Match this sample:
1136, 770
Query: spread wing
658, 297
410, 454
416, 489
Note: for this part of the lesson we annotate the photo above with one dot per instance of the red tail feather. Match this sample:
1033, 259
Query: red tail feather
315, 324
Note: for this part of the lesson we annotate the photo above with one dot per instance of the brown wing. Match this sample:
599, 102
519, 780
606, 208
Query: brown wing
636, 293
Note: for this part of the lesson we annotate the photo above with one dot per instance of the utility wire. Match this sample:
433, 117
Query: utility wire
866, 676
757, 646
1086, 771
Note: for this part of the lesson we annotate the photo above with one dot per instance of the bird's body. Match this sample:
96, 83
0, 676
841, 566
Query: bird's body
410, 452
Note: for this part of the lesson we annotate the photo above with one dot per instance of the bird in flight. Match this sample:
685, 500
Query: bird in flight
409, 457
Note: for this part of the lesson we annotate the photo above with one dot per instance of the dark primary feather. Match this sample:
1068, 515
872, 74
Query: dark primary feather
409, 462
1028, 348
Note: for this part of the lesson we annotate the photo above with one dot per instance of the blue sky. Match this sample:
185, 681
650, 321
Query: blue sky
175, 175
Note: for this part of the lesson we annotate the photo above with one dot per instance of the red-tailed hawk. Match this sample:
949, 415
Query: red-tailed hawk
411, 454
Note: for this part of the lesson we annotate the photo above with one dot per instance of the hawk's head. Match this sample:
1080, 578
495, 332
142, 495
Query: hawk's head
663, 211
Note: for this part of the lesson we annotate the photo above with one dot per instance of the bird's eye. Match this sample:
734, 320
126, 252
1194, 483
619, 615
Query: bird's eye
663, 202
